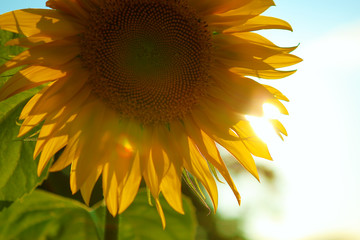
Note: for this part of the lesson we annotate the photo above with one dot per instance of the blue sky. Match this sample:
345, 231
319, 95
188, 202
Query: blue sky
19, 4
319, 161
314, 18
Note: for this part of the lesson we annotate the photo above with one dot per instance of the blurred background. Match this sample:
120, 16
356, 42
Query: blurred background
311, 189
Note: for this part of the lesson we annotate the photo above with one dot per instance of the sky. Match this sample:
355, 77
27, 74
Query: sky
318, 164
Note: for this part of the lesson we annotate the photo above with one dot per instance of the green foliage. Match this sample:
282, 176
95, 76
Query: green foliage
7, 52
17, 167
42, 215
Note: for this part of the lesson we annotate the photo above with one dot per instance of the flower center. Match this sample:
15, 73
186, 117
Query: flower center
149, 60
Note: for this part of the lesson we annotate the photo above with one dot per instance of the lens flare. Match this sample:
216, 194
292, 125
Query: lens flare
262, 125
125, 148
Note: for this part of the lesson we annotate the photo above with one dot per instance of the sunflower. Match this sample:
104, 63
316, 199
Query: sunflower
145, 90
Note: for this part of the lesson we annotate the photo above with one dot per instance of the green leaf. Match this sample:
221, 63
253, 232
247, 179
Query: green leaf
17, 167
141, 221
42, 215
45, 216
7, 52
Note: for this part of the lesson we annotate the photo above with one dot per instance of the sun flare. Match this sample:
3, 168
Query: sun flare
263, 126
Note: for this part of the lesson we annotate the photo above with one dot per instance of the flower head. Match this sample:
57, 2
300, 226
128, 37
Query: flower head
145, 89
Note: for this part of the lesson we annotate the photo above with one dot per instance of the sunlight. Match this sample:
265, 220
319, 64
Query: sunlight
262, 125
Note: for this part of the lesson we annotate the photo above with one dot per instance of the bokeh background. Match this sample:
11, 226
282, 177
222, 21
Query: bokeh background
311, 191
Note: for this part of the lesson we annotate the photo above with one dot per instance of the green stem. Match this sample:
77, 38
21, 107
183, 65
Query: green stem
111, 226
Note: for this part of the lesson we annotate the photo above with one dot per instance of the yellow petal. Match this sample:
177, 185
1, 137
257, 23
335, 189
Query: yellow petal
260, 22
241, 153
170, 184
194, 162
205, 7
34, 21
282, 60
161, 212
69, 155
219, 23
244, 95
151, 176
257, 39
201, 118
88, 186
61, 93
253, 7
143, 145
276, 93
89, 116
90, 5
101, 149
215, 109
124, 163
252, 142
208, 148
159, 159
266, 74
27, 78
129, 188
71, 7
236, 17
278, 105
31, 122
50, 54
199, 168
54, 126
57, 117
32, 102
28, 42
279, 128
46, 132
171, 188
53, 145
236, 53
110, 188
73, 186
